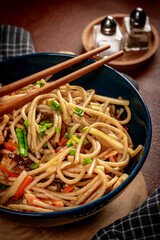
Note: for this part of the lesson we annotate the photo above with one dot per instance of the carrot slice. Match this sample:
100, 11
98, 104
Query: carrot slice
22, 187
10, 145
68, 189
7, 172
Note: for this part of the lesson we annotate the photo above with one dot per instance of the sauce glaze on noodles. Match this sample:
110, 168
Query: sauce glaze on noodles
78, 157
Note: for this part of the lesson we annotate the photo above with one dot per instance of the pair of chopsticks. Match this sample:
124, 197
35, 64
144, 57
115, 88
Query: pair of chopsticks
21, 101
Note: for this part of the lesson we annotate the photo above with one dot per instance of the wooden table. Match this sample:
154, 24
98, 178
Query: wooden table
58, 26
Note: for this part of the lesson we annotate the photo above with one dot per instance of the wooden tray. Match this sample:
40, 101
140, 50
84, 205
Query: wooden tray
130, 60
131, 198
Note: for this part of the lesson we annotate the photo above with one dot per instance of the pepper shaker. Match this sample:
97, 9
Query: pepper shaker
108, 32
138, 31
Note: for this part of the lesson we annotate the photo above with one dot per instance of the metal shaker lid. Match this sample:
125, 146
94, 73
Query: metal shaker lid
137, 18
108, 25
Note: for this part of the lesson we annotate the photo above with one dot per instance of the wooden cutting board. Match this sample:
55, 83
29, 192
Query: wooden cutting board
131, 198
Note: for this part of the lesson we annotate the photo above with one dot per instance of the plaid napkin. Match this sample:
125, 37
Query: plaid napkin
14, 41
141, 224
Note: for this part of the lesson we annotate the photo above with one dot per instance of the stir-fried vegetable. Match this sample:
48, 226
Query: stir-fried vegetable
78, 111
7, 172
22, 187
87, 161
22, 142
10, 145
68, 189
9, 192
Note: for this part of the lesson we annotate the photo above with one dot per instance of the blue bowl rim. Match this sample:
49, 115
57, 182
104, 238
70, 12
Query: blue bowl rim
108, 197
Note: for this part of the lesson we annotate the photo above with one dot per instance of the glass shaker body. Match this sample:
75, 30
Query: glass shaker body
136, 39
114, 40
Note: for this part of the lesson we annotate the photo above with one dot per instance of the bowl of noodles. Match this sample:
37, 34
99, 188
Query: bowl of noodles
68, 153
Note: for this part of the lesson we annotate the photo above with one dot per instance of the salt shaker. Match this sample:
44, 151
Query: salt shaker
138, 31
108, 32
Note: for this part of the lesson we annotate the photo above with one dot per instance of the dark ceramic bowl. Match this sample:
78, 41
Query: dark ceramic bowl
107, 82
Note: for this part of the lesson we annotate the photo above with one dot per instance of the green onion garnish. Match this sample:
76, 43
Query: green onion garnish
69, 143
85, 141
55, 104
72, 152
48, 125
57, 129
84, 129
60, 109
42, 128
69, 130
34, 166
66, 135
75, 139
41, 134
41, 84
78, 111
25, 140
26, 123
42, 122
22, 142
3, 186
49, 104
87, 161
45, 145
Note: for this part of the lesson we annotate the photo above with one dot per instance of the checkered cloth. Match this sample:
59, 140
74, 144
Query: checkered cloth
141, 224
14, 41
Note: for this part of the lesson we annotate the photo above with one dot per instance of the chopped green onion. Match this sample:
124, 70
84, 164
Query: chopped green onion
75, 139
69, 143
26, 123
48, 125
78, 111
45, 145
69, 130
60, 109
87, 161
49, 104
85, 141
40, 83
72, 152
22, 142
66, 135
3, 186
42, 122
55, 104
84, 129
41, 134
34, 166
23, 152
54, 108
25, 140
42, 128
57, 129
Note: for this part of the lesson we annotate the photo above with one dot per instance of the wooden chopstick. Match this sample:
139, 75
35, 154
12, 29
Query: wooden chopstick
49, 71
21, 101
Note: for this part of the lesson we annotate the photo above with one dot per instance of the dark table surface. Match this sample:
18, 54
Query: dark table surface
57, 25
